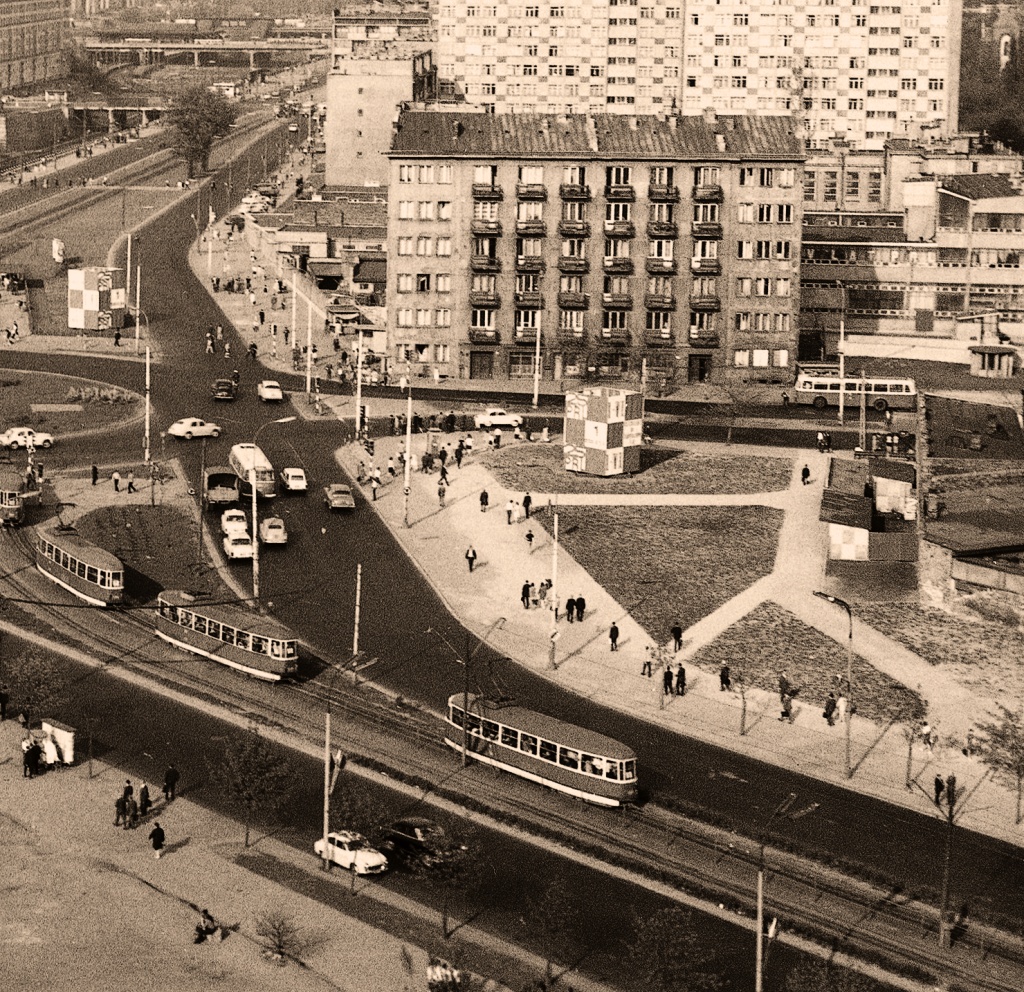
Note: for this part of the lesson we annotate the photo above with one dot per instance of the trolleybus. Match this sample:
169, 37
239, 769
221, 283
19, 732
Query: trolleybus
882, 394
228, 634
246, 459
80, 567
542, 749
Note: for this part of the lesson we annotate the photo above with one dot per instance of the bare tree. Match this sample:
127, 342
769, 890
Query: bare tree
1002, 748
281, 938
910, 715
667, 954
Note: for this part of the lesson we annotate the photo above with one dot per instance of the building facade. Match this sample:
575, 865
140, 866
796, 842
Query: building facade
866, 71
34, 40
618, 247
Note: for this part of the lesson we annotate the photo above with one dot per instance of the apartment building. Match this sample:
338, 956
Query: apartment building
863, 70
618, 247
34, 37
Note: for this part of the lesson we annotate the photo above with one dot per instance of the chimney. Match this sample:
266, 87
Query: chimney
710, 116
632, 123
673, 121
720, 142
591, 128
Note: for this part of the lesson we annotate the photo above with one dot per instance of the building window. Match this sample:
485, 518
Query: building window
619, 175
406, 210
423, 282
424, 246
444, 282
406, 173
423, 318
405, 246
616, 320
426, 210
482, 320
404, 317
444, 246
406, 284
744, 286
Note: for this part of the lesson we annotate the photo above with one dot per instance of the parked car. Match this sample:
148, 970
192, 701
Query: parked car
419, 841
272, 531
352, 851
339, 497
22, 437
190, 427
270, 391
238, 545
495, 416
234, 521
224, 389
293, 127
294, 480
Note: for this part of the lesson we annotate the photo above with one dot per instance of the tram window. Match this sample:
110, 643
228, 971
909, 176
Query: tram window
591, 765
81, 569
528, 743
630, 772
243, 640
116, 580
92, 575
227, 634
103, 580
200, 624
568, 758
509, 737
473, 723
63, 560
185, 618
490, 730
214, 630
548, 751
259, 644
613, 769
456, 716
172, 614
291, 649
275, 649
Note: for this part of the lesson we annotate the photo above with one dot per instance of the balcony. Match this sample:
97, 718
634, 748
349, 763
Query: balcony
711, 193
526, 335
617, 334
531, 300
706, 229
567, 336
574, 229
706, 266
656, 301
703, 339
614, 265
620, 193
705, 302
573, 301
486, 228
484, 263
575, 191
661, 266
573, 264
537, 228
479, 336
531, 191
660, 193
655, 339
484, 301
662, 229
483, 191
620, 228
620, 301
529, 263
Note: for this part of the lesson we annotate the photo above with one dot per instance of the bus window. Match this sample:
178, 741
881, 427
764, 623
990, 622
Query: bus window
568, 758
259, 644
851, 386
456, 716
630, 773
509, 737
200, 624
275, 649
528, 743
490, 730
548, 751
879, 387
214, 630
473, 723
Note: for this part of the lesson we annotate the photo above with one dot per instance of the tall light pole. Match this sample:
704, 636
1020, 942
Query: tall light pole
140, 313
848, 715
842, 348
408, 451
255, 519
536, 373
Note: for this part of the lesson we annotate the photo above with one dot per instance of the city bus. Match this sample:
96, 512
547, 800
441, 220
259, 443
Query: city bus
244, 460
543, 749
882, 394
81, 567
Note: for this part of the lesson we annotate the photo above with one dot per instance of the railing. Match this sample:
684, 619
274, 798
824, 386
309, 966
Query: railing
529, 263
662, 229
526, 336
574, 191
703, 339
659, 301
662, 193
705, 301
620, 228
485, 227
706, 229
483, 191
534, 227
574, 228
574, 301
661, 266
531, 191
613, 334
484, 263
706, 266
620, 192
480, 336
573, 264
532, 300
655, 339
620, 301
710, 193
618, 266
489, 301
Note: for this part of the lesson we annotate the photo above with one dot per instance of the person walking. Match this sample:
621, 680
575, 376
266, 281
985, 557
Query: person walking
841, 708
785, 400
116, 478
613, 636
5, 699
374, 485
441, 490
677, 636
680, 680
132, 818
460, 453
131, 483
157, 837
510, 509
940, 787
785, 688
128, 791
171, 777
496, 438
471, 557
570, 609
95, 474
145, 803
805, 475
527, 503
529, 540
581, 608
444, 475
209, 344
525, 595
391, 467
666, 681
829, 713
787, 708
724, 678
648, 666
117, 339
442, 456
484, 499
120, 812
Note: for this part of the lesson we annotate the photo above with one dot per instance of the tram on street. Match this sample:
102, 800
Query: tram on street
881, 394
543, 749
12, 497
87, 571
228, 634
246, 460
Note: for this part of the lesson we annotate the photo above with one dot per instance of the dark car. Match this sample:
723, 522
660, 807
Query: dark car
224, 389
418, 841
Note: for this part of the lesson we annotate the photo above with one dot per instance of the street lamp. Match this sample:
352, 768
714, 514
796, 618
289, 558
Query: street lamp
255, 530
408, 449
848, 715
139, 312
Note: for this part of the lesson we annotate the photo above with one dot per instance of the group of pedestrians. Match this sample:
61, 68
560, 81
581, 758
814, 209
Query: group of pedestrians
130, 811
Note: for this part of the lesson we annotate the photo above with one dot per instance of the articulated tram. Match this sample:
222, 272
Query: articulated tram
80, 567
542, 749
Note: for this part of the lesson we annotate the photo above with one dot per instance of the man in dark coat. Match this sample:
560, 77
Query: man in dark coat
581, 608
830, 709
724, 679
157, 838
677, 636
5, 698
527, 503
170, 782
525, 595
680, 680
570, 609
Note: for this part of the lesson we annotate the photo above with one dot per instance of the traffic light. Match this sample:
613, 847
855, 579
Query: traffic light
363, 419
369, 446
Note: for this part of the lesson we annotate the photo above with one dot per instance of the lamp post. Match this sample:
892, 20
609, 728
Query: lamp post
842, 347
139, 312
408, 451
848, 715
255, 529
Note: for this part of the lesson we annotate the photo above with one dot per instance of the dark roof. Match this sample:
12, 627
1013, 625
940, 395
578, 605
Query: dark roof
327, 266
979, 519
372, 270
594, 136
980, 186
354, 233
887, 468
847, 509
992, 349
962, 429
847, 476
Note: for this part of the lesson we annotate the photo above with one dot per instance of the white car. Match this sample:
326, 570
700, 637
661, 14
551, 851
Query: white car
293, 128
495, 416
22, 437
270, 391
233, 521
190, 427
272, 531
352, 851
238, 545
294, 480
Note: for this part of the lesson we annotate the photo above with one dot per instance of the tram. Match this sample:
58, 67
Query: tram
230, 635
13, 493
542, 749
80, 567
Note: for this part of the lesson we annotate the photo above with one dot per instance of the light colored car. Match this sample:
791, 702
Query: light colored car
234, 521
293, 128
339, 497
238, 545
352, 851
495, 416
294, 480
22, 437
270, 391
190, 427
272, 531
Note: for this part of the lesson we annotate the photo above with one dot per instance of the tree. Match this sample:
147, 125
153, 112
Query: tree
35, 681
252, 776
824, 976
557, 919
197, 117
453, 866
281, 937
1002, 748
667, 956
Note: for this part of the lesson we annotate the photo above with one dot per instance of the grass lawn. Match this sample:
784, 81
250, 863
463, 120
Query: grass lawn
20, 390
770, 640
669, 564
538, 468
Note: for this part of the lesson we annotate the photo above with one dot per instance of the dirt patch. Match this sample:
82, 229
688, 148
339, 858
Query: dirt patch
22, 394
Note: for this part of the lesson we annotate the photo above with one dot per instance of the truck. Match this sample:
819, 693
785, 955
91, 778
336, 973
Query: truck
220, 485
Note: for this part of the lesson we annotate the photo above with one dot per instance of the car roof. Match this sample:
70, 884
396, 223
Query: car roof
348, 835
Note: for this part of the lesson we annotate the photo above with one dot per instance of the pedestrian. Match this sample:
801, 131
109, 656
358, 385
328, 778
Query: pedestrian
95, 474
157, 838
805, 475
821, 441
209, 344
128, 791
724, 678
829, 712
828, 441
613, 636
227, 349
131, 483
442, 456
666, 682
496, 438
787, 708
510, 509
120, 812
391, 467
527, 503
374, 484
116, 477
444, 474
968, 748
132, 818
841, 708
517, 512
581, 608
940, 787
460, 453
441, 490
5, 698
785, 689
648, 666
262, 316
145, 803
525, 595
677, 636
926, 736
220, 332
471, 557
171, 777
484, 498
680, 680
570, 609
529, 540
117, 339
785, 400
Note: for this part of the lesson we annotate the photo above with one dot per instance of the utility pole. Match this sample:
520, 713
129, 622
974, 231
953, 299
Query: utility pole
842, 348
359, 387
408, 452
553, 594
355, 627
945, 927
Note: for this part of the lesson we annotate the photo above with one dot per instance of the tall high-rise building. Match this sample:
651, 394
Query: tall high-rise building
865, 72
34, 38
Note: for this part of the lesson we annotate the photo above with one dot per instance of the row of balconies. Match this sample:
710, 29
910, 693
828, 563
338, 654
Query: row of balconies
581, 228
651, 339
581, 301
622, 193
612, 265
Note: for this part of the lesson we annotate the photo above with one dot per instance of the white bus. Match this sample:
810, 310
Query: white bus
244, 460
882, 394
